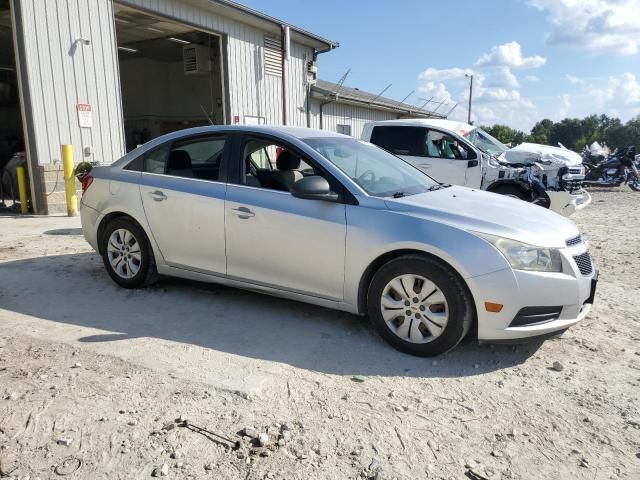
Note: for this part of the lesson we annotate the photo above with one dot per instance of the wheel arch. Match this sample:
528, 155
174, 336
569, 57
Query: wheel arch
111, 216
378, 262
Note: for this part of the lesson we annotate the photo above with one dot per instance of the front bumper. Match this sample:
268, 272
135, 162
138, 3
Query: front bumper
517, 290
566, 203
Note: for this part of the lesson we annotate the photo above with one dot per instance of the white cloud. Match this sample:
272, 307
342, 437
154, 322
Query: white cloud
501, 77
598, 26
624, 91
510, 55
435, 75
573, 79
532, 78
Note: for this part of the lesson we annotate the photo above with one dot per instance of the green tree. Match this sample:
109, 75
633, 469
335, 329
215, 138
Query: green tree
541, 131
506, 134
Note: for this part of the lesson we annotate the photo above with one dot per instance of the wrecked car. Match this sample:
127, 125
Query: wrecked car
462, 154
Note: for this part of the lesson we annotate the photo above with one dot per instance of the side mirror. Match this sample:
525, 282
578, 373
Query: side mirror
313, 188
472, 163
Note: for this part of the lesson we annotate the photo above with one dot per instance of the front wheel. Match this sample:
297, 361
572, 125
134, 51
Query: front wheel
634, 183
420, 305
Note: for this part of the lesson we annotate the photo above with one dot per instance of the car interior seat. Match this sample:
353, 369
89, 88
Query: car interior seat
287, 172
179, 164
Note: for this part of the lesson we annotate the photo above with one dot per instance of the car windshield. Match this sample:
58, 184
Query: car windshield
375, 170
485, 142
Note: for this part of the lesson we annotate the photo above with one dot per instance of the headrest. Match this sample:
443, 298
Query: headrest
287, 161
179, 160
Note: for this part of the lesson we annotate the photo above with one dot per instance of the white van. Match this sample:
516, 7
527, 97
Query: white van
462, 154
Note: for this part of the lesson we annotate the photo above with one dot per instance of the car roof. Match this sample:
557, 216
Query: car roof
279, 130
451, 125
286, 133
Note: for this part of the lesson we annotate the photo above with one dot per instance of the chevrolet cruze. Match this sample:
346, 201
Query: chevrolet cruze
334, 221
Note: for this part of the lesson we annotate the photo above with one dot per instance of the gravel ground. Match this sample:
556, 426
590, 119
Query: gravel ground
99, 382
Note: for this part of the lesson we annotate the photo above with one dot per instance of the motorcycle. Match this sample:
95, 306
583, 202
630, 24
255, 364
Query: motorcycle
618, 168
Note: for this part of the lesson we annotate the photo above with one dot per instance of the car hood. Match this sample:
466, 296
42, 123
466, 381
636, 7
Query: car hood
484, 212
534, 152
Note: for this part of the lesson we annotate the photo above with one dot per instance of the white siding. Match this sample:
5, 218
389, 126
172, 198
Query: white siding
251, 91
344, 114
62, 73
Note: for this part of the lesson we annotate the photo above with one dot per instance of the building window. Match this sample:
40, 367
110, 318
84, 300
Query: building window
273, 55
343, 129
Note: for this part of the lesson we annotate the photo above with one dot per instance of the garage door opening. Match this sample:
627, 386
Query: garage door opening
12, 150
171, 76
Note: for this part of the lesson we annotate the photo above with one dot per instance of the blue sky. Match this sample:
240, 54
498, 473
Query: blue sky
531, 59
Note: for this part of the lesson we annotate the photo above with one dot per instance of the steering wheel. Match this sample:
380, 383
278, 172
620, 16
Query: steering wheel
367, 174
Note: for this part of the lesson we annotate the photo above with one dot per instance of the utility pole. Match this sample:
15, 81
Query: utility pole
470, 77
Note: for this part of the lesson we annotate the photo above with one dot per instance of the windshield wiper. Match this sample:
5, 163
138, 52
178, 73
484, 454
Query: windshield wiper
399, 194
438, 187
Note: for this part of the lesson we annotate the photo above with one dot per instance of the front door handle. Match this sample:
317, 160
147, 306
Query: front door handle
243, 212
158, 196
425, 165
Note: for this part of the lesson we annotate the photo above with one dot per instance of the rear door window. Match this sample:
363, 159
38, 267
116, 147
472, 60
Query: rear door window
399, 140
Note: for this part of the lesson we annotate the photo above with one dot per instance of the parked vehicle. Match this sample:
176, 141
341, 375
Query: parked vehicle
334, 221
461, 154
594, 154
618, 168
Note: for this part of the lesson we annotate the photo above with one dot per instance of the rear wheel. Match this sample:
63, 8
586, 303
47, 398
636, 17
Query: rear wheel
127, 255
420, 305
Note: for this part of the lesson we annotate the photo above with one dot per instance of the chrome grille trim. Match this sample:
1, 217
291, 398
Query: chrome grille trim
584, 263
574, 241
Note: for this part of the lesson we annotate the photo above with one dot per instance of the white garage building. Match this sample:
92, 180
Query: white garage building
106, 75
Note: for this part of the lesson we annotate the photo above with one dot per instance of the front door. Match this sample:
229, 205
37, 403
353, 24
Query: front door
275, 239
183, 198
450, 160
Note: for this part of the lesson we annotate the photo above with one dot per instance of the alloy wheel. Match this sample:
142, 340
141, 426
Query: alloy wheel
414, 308
124, 253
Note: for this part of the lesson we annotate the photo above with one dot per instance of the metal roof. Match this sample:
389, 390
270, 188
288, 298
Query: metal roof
332, 92
263, 16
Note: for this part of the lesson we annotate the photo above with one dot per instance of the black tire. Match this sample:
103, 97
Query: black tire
457, 295
147, 273
511, 191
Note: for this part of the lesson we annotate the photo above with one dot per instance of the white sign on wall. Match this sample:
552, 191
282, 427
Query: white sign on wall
85, 117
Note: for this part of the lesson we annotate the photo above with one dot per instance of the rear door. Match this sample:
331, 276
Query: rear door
183, 193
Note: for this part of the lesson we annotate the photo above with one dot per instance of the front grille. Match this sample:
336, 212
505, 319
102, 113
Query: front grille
584, 263
574, 241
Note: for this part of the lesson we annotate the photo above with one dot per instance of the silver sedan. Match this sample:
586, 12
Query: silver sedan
337, 222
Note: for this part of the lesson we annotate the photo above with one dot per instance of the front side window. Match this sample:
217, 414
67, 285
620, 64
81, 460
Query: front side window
272, 166
442, 145
376, 171
409, 141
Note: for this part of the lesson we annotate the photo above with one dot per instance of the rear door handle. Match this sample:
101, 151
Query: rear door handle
425, 165
243, 212
158, 196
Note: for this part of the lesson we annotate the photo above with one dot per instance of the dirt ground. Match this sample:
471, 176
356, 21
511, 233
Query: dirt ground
100, 382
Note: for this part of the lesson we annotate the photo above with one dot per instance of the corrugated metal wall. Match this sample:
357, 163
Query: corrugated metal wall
62, 72
339, 113
252, 92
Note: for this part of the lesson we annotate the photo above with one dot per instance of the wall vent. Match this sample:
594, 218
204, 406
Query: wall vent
195, 59
272, 55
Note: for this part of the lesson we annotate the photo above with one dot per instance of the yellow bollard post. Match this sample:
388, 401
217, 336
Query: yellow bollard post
22, 190
68, 166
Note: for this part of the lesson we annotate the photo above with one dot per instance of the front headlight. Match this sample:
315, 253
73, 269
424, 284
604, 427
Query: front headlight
526, 257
